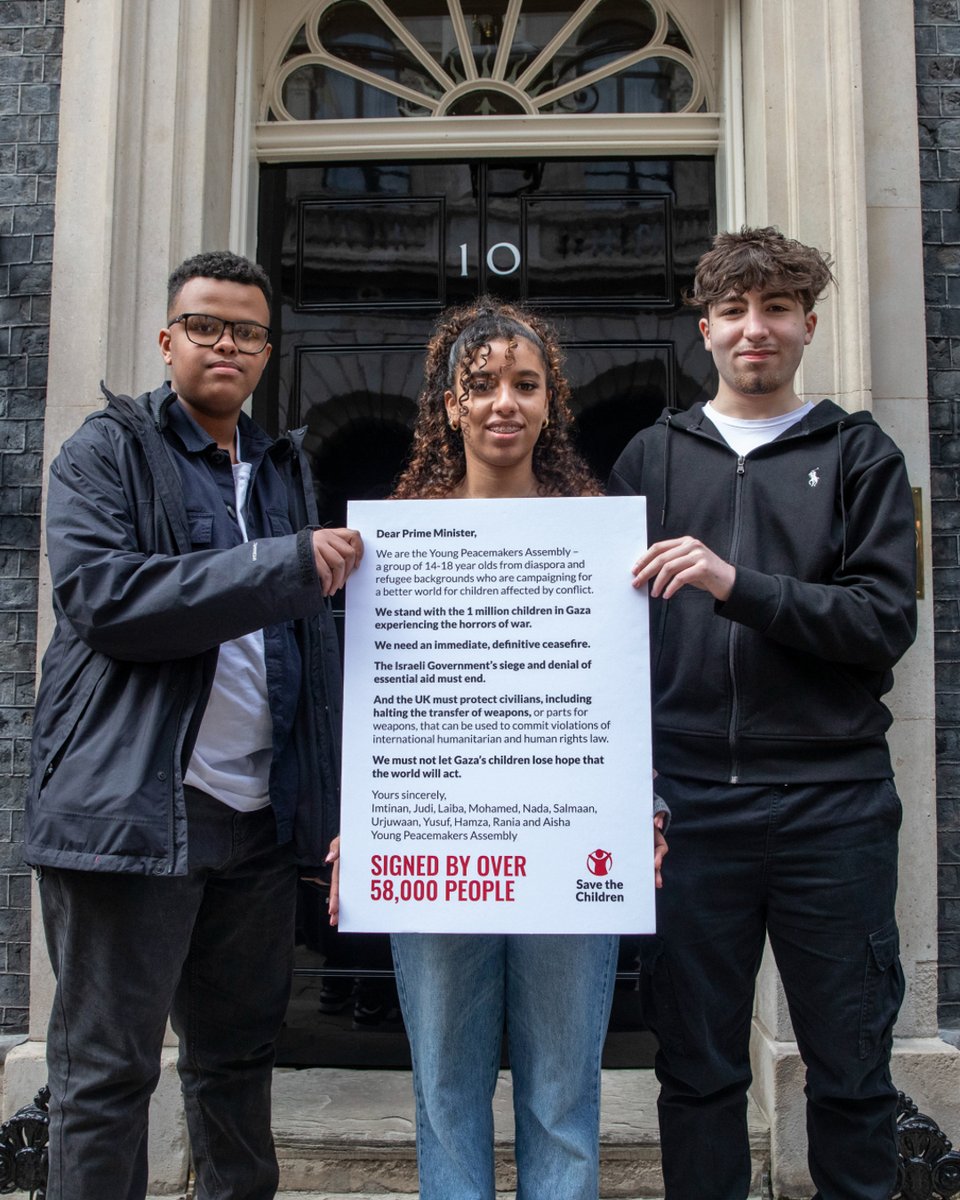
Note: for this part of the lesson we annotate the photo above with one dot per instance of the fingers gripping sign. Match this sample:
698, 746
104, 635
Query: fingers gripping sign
333, 901
333, 905
336, 554
677, 562
660, 848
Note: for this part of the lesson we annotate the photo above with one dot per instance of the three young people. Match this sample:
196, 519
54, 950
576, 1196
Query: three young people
782, 575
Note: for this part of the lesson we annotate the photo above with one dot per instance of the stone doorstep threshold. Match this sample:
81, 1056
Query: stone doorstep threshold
350, 1133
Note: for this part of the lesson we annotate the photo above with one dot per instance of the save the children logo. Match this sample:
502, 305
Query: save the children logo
605, 890
599, 862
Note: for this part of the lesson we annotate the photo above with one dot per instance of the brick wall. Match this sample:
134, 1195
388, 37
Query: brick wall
938, 93
30, 43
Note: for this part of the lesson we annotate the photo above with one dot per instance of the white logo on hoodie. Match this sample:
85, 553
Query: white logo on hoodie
813, 477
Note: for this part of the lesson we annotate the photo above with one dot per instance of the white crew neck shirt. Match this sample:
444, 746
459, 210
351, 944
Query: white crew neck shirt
234, 749
745, 434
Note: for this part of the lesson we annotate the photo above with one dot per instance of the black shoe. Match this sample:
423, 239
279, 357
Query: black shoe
335, 995
370, 1012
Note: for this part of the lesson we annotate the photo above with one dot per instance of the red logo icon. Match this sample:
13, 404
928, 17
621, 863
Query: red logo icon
599, 862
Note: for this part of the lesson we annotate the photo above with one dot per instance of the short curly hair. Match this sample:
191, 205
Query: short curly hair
437, 463
218, 264
760, 259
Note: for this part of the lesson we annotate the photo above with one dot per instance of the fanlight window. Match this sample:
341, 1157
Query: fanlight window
434, 58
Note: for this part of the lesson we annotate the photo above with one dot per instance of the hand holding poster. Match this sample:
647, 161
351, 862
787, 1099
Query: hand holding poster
497, 768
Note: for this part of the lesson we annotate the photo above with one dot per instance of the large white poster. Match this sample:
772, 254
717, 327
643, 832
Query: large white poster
497, 767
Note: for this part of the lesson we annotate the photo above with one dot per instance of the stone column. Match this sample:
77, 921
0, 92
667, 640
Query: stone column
830, 141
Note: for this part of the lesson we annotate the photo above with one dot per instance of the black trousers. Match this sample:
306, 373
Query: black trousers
214, 950
814, 867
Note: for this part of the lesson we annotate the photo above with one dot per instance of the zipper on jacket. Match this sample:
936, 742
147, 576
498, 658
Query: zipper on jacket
734, 628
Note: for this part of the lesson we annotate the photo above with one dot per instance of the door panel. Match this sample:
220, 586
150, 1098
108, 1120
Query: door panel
580, 248
364, 257
361, 253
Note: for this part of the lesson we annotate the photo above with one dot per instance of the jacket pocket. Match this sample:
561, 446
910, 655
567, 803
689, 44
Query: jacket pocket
60, 710
201, 527
883, 988
278, 522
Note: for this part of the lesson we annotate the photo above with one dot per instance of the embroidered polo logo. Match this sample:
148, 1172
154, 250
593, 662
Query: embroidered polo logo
813, 477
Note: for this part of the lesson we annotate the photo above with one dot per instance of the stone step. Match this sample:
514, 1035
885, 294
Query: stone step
350, 1133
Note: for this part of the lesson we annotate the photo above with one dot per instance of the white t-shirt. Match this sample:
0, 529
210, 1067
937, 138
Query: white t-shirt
743, 434
234, 749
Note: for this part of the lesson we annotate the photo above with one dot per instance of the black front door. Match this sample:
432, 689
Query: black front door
363, 257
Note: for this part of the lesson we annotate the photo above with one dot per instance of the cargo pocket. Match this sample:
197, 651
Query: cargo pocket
660, 1007
883, 989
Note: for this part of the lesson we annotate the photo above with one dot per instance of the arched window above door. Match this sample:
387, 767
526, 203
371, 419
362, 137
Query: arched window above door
382, 59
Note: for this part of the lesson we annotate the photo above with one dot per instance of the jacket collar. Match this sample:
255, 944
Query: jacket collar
254, 443
153, 409
148, 415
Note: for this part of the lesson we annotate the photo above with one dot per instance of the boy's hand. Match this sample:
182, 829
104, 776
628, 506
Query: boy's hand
679, 561
336, 554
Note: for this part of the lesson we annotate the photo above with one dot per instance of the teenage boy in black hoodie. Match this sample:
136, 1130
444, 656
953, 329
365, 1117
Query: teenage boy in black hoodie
782, 577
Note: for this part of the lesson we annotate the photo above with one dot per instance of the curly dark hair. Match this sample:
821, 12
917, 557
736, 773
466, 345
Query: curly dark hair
218, 264
437, 463
760, 258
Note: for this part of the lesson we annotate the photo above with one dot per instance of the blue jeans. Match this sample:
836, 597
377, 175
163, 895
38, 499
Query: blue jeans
814, 866
555, 992
214, 950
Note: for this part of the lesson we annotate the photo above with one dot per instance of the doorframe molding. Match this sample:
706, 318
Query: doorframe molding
715, 134
550, 135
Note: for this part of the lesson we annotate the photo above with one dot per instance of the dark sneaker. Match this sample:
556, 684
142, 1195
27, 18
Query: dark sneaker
335, 995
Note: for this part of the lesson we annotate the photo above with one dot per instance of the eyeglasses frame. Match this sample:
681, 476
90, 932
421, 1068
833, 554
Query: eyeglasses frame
184, 317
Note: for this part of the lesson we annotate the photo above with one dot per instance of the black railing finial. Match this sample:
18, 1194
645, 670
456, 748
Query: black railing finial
928, 1167
23, 1148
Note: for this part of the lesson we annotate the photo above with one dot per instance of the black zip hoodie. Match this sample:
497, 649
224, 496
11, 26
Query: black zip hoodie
783, 681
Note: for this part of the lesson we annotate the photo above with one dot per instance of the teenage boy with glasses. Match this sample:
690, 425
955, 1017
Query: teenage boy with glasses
185, 749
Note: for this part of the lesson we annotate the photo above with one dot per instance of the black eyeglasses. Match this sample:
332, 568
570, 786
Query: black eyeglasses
204, 330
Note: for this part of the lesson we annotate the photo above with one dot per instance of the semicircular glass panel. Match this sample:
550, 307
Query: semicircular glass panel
482, 102
313, 92
353, 32
376, 59
654, 85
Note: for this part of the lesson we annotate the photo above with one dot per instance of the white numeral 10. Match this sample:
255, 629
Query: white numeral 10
491, 264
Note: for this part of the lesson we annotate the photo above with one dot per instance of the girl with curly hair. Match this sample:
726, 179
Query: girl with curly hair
456, 446
494, 422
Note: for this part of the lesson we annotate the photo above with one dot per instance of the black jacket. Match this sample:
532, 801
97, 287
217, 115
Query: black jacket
141, 609
782, 682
